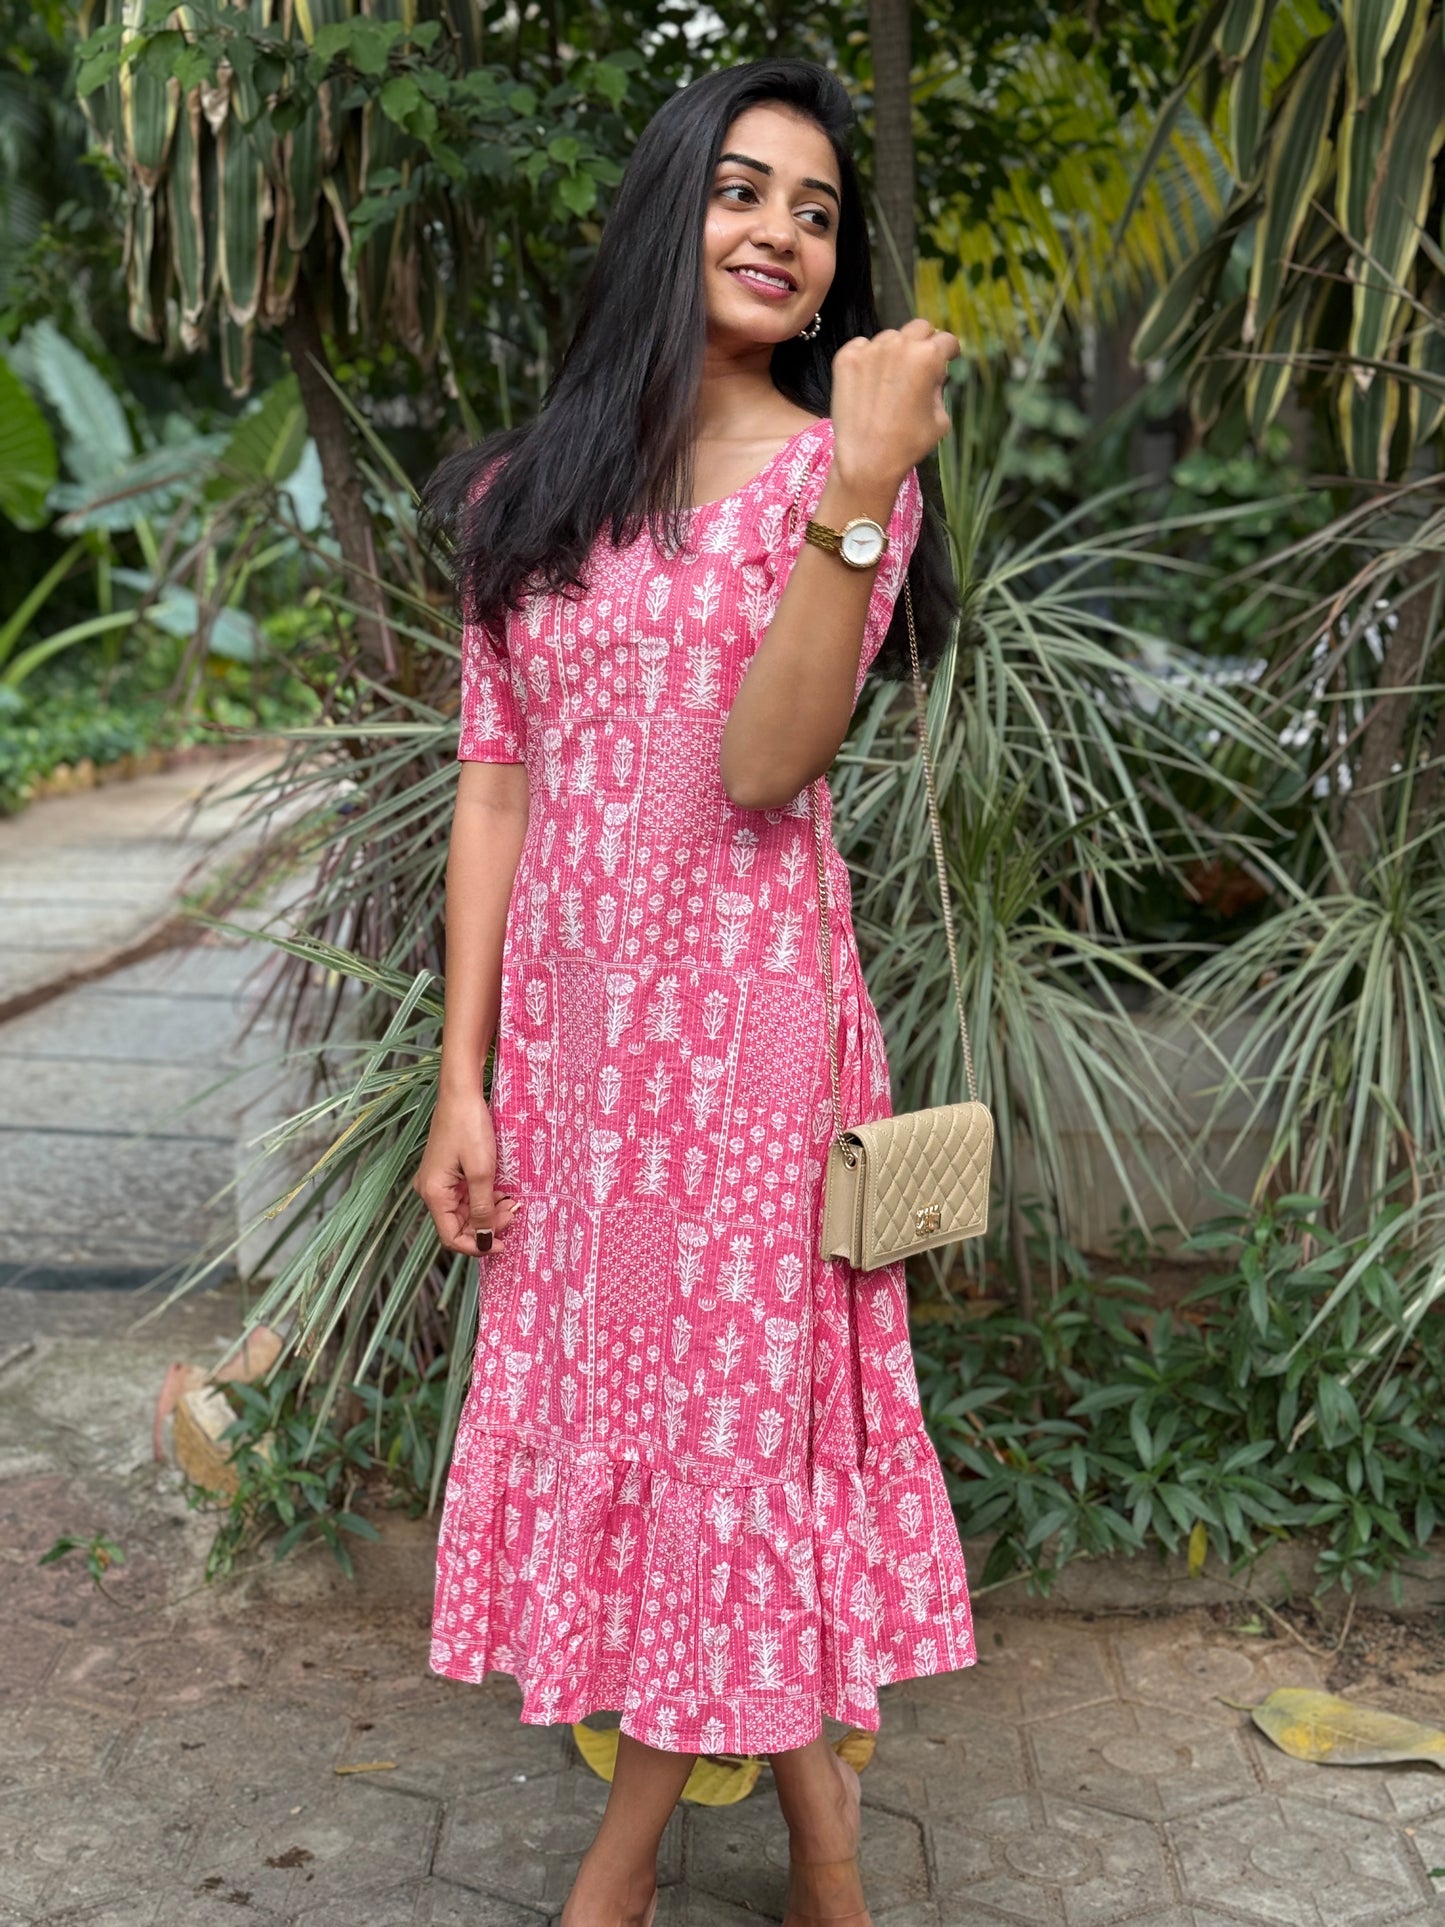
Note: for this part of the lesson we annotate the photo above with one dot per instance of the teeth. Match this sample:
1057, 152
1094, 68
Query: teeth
761, 274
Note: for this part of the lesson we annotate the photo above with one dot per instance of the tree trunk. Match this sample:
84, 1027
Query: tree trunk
893, 168
350, 518
1384, 730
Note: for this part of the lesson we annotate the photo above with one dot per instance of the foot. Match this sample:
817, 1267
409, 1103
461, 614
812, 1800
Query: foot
603, 1899
824, 1881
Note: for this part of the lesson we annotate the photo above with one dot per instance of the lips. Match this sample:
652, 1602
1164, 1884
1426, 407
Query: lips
767, 280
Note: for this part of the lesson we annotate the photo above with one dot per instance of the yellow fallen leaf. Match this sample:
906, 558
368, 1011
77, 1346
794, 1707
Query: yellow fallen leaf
597, 1747
368, 1766
1334, 1732
856, 1748
720, 1782
1198, 1548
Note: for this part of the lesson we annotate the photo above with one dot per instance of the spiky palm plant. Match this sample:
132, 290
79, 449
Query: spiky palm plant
1066, 725
996, 279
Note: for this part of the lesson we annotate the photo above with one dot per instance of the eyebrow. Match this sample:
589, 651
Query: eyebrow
823, 187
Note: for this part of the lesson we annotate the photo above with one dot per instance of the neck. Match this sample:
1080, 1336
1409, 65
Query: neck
736, 393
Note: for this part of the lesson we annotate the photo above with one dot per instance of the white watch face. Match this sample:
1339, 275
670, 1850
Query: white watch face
862, 544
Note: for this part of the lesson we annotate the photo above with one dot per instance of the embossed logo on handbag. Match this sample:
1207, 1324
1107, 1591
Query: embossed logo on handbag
927, 1217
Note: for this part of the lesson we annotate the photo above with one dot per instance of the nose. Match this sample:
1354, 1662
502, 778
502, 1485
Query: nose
773, 226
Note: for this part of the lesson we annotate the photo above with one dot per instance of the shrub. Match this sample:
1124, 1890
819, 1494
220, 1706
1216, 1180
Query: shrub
1236, 1419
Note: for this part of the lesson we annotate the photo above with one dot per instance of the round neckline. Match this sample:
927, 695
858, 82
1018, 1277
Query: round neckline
698, 508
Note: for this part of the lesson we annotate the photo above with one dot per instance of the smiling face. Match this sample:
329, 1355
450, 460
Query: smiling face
770, 240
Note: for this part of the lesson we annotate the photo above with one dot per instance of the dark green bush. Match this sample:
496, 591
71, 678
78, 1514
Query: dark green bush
1108, 1425
299, 1481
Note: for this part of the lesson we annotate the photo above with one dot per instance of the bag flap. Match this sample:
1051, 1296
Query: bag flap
923, 1160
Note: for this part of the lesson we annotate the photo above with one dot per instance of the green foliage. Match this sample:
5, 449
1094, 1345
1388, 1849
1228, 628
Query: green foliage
1052, 714
83, 710
350, 153
294, 1479
27, 454
299, 1476
101, 1553
1217, 610
1236, 1419
1335, 135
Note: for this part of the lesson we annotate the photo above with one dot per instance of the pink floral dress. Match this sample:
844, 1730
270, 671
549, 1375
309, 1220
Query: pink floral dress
691, 1481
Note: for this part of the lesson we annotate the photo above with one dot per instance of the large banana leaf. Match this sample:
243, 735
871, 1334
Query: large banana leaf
99, 441
27, 453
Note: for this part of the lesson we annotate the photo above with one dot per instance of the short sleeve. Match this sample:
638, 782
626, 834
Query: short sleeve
493, 722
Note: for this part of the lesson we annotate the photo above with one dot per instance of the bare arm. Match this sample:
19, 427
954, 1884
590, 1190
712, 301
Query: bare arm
488, 826
793, 705
458, 1167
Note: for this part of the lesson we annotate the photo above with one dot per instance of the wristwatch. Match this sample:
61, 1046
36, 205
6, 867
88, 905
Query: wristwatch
860, 543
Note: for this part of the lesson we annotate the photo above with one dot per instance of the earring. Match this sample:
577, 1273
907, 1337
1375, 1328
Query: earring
810, 332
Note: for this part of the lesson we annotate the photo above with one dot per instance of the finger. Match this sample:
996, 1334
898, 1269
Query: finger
481, 1204
485, 1238
452, 1217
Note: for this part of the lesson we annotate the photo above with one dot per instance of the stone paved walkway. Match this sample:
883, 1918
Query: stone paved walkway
84, 876
168, 1753
168, 1750
125, 1093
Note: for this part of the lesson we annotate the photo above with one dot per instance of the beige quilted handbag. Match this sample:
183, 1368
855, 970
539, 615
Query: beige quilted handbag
903, 1184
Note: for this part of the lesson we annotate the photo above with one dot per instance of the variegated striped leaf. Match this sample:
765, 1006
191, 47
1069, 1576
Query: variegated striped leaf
1365, 128
1301, 148
1406, 180
1246, 101
1370, 27
1238, 29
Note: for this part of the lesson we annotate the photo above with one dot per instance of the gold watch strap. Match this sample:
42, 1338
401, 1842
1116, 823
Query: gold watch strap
824, 537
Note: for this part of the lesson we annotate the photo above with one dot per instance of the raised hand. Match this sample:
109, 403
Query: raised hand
887, 404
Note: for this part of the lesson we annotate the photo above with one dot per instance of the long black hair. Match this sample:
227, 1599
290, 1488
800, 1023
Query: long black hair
612, 445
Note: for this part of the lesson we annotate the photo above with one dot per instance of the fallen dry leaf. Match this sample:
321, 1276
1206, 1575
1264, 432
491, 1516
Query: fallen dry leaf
712, 1782
1333, 1732
716, 1780
856, 1748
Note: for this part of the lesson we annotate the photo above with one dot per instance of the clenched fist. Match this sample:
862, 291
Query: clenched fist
887, 404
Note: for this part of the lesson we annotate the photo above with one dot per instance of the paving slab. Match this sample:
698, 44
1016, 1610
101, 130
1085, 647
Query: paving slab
1148, 1761
741, 1854
1036, 1857
521, 1842
84, 875
1292, 1862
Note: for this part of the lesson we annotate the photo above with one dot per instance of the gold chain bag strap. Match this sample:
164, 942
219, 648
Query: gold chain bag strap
903, 1184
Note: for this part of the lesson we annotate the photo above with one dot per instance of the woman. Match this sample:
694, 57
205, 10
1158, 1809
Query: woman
691, 1480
